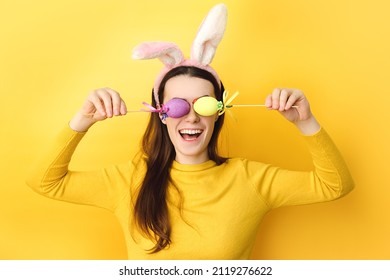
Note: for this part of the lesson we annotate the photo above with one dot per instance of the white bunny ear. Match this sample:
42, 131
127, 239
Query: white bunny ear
209, 35
168, 53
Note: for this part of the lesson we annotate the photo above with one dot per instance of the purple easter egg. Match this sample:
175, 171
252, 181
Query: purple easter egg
177, 108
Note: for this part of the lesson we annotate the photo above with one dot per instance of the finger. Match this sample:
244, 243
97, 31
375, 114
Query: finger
97, 103
268, 101
293, 98
284, 94
275, 98
123, 108
105, 97
116, 101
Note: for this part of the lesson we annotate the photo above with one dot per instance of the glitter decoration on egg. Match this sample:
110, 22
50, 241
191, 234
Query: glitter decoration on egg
177, 108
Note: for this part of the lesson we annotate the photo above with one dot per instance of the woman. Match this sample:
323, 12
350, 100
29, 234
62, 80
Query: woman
179, 199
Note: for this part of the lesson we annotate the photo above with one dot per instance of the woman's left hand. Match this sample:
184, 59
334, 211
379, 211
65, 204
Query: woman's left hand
283, 100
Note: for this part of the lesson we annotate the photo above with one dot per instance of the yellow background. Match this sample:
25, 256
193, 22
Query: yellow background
52, 53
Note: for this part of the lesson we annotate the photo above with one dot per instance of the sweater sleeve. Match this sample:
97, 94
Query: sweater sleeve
51, 177
329, 180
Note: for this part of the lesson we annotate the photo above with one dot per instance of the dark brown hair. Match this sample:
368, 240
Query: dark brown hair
151, 209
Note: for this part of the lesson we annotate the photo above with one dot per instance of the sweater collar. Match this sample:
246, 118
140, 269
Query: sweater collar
193, 167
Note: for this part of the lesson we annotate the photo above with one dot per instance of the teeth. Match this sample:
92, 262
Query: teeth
190, 131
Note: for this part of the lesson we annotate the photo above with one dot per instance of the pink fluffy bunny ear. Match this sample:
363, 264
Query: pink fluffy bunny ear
209, 35
168, 53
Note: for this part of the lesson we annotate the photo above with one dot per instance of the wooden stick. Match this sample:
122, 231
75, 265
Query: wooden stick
131, 111
227, 106
251, 105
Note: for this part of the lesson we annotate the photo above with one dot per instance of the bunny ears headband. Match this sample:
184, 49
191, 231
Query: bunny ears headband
203, 48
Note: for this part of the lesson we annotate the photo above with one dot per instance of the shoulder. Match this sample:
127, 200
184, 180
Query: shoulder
236, 161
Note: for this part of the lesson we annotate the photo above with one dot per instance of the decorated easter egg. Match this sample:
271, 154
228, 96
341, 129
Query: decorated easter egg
206, 106
177, 108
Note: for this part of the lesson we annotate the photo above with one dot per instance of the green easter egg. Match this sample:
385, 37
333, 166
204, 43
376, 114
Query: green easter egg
206, 106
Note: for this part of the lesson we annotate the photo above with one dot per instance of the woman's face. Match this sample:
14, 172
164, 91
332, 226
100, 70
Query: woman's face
190, 134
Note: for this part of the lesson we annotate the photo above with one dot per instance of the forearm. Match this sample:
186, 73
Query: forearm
330, 169
309, 126
53, 165
51, 177
330, 179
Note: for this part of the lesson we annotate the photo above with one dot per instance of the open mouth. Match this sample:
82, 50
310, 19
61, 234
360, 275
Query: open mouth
190, 134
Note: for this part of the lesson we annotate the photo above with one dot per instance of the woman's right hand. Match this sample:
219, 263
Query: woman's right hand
100, 104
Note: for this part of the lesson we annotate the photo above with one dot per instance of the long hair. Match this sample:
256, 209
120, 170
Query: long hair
151, 209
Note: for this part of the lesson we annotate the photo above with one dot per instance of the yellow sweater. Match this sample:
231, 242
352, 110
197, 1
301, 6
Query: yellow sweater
223, 205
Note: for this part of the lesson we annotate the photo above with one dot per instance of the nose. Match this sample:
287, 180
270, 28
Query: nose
192, 116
